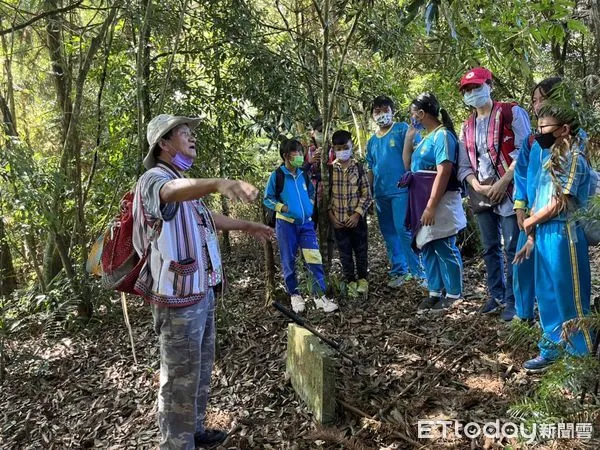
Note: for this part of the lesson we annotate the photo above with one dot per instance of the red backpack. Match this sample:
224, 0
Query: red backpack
121, 264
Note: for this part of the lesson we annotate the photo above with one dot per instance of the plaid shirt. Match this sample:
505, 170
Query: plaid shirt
350, 191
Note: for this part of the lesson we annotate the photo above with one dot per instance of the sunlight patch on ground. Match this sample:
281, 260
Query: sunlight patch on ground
62, 349
485, 383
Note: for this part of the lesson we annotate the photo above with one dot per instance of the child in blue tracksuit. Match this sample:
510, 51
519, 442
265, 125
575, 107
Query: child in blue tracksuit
526, 180
384, 158
443, 215
294, 227
562, 266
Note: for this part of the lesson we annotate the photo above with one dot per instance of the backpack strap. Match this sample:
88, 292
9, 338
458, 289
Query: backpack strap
279, 180
306, 177
507, 112
361, 172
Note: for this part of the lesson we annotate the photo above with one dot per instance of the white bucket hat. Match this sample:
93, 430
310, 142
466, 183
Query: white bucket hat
161, 125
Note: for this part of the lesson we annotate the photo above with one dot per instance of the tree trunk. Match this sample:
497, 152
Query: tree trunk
71, 153
143, 79
324, 222
8, 277
595, 15
269, 272
221, 139
62, 84
51, 263
32, 251
8, 280
10, 92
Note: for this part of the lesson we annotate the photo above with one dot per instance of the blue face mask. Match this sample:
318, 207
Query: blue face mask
416, 124
182, 162
478, 97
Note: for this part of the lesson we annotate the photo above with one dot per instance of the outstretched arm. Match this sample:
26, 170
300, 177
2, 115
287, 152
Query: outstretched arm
258, 230
184, 189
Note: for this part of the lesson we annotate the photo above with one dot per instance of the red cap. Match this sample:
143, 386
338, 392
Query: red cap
477, 75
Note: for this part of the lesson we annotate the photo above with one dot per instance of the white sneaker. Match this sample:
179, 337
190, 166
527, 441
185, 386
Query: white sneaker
325, 304
298, 304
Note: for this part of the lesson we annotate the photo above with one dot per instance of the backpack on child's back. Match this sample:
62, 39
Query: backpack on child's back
271, 214
591, 225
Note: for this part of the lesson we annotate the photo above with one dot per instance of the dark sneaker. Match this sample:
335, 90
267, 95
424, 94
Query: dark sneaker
443, 304
492, 305
508, 313
209, 437
427, 303
537, 364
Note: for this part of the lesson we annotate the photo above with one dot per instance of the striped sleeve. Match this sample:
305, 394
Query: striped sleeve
151, 183
573, 173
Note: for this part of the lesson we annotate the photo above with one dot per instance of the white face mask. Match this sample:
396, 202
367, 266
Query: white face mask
344, 155
384, 119
478, 97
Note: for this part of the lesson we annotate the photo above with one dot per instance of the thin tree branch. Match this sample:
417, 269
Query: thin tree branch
99, 110
338, 76
319, 13
40, 17
172, 57
16, 9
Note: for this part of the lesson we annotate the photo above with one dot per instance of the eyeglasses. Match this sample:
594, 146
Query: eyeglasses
539, 128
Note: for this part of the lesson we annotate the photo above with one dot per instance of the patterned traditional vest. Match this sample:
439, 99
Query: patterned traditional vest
178, 270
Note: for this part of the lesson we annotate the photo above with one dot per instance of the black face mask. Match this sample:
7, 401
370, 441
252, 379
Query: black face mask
546, 140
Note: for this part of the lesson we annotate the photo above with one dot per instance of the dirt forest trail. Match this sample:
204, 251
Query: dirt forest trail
83, 391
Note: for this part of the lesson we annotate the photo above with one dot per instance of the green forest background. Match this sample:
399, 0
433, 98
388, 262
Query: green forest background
81, 79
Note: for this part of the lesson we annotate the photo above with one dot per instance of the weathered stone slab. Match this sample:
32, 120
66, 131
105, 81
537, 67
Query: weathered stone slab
311, 368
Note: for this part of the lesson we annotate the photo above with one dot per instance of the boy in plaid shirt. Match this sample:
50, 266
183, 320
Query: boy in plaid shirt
350, 198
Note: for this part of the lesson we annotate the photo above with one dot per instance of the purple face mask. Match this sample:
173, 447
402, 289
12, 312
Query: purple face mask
182, 162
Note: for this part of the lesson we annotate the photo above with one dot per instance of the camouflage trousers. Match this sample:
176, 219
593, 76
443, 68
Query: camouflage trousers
187, 352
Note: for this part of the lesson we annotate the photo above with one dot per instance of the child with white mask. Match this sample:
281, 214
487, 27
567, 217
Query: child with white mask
386, 167
350, 199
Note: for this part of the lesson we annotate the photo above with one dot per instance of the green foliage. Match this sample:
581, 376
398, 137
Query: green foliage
522, 335
254, 71
556, 397
568, 391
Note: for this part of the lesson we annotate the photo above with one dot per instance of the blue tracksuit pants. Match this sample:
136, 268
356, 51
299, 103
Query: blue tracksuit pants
524, 282
290, 237
443, 267
391, 213
562, 286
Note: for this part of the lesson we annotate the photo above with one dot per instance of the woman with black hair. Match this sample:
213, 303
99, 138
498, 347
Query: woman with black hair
526, 179
562, 266
435, 204
526, 182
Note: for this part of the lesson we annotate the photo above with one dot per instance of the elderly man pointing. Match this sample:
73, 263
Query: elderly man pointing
178, 233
